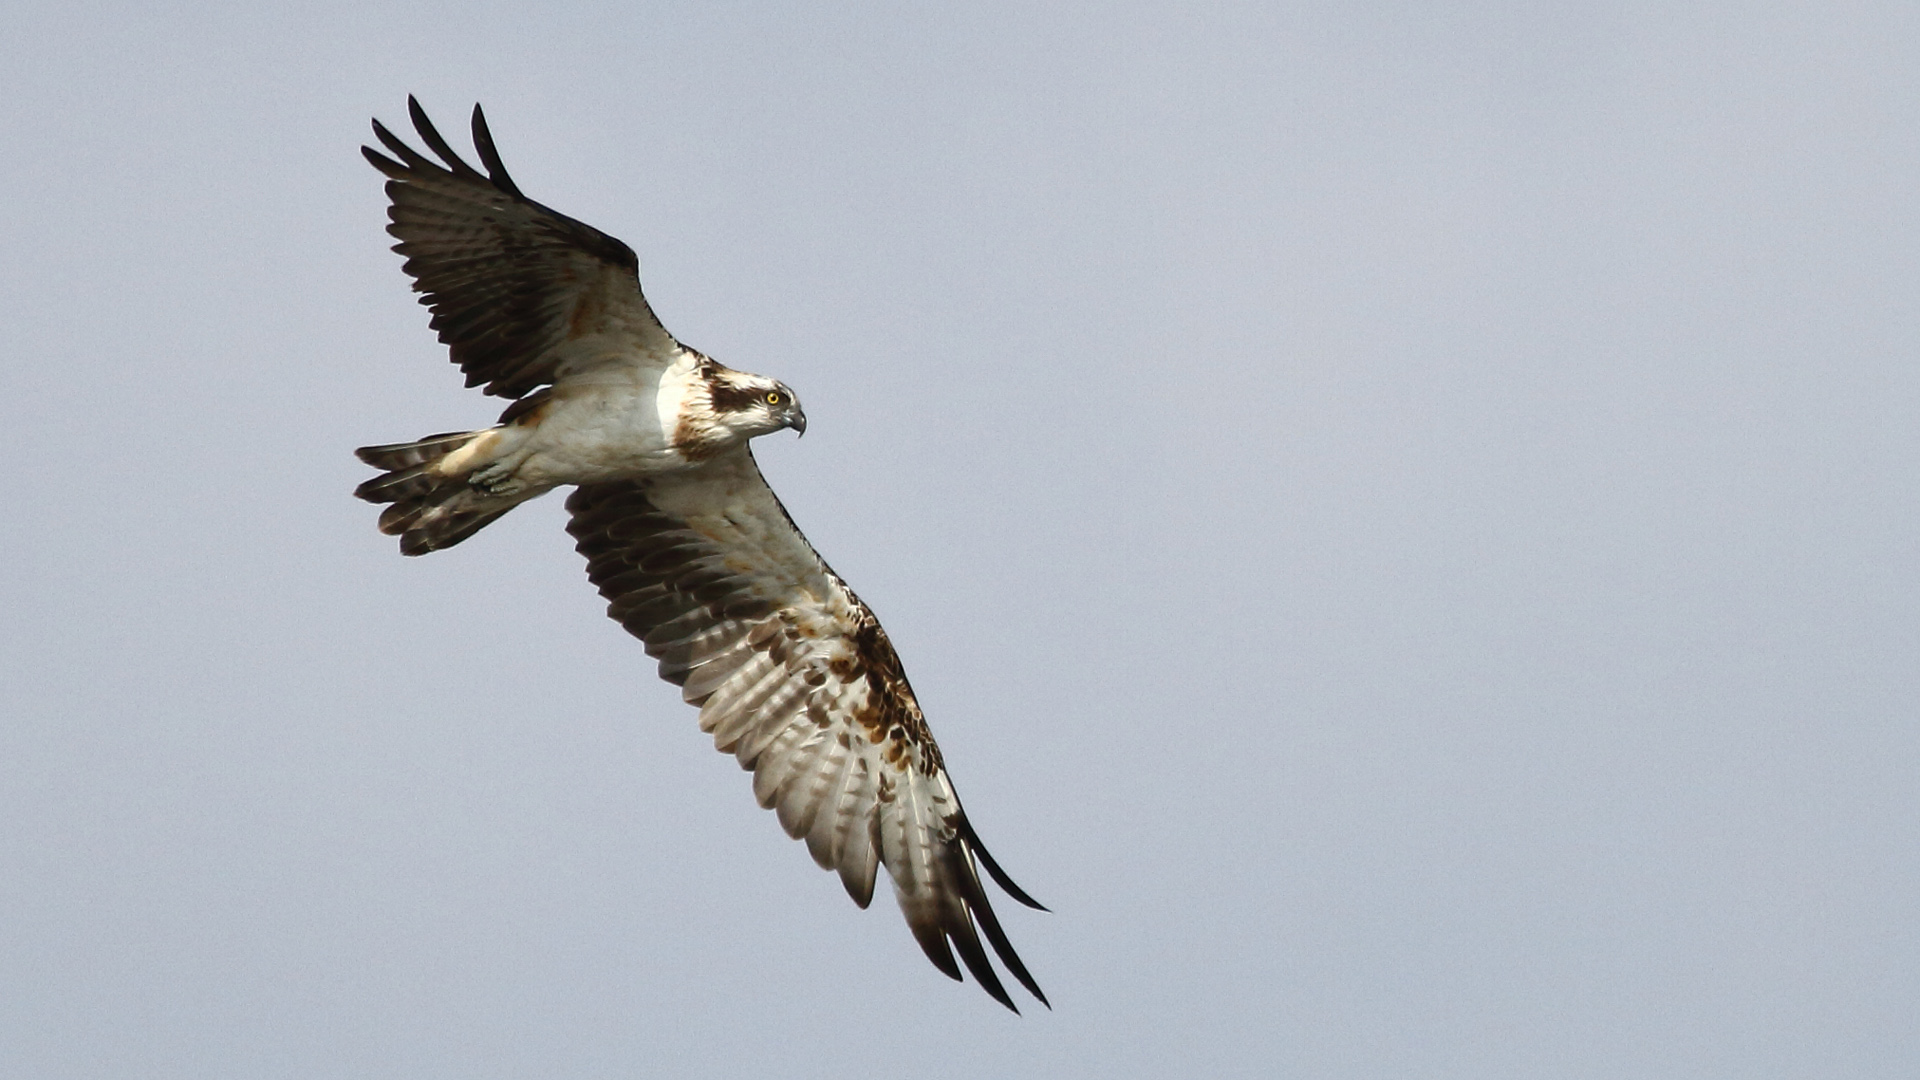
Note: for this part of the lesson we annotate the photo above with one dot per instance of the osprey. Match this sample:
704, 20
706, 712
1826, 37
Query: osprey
693, 552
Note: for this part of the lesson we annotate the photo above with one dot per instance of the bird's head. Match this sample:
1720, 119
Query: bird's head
753, 405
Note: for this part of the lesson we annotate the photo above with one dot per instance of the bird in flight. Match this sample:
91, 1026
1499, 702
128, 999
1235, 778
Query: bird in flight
696, 557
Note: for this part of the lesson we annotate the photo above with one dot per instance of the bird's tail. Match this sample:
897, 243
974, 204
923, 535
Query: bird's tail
433, 505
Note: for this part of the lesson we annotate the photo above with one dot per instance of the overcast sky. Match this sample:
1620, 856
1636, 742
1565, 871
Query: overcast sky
1402, 517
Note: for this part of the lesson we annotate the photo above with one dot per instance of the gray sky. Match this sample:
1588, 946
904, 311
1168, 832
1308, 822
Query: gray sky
1402, 518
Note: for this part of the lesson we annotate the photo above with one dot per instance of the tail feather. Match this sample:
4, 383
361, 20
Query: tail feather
430, 509
406, 482
419, 452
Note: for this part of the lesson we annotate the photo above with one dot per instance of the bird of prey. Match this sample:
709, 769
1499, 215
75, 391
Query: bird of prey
693, 552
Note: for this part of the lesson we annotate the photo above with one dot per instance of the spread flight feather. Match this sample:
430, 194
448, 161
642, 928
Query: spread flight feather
692, 550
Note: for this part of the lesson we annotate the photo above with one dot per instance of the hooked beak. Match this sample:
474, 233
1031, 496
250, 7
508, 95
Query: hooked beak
798, 421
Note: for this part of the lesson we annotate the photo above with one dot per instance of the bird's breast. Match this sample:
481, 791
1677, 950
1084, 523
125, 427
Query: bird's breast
599, 433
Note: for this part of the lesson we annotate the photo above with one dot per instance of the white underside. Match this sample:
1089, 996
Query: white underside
609, 422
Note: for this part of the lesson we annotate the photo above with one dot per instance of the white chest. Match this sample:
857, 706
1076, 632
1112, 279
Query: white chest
614, 427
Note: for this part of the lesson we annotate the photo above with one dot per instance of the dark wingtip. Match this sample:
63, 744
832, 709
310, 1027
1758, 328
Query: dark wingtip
439, 145
957, 920
417, 113
999, 876
1002, 947
382, 162
934, 944
967, 944
981, 911
409, 158
489, 155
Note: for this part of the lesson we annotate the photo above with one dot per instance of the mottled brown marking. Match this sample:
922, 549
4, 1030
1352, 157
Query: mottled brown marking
695, 440
890, 710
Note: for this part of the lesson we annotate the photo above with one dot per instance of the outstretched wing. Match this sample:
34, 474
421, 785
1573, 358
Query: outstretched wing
511, 283
794, 677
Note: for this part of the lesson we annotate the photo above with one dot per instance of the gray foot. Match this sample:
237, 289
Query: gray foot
495, 480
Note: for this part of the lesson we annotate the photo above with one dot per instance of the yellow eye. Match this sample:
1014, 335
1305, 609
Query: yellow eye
773, 397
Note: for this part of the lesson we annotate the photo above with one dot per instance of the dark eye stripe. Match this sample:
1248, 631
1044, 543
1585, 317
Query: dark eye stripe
727, 399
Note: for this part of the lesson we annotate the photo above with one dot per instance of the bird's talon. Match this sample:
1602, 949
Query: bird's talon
494, 481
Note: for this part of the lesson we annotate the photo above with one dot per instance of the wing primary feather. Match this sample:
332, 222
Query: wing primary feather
1003, 948
982, 911
967, 944
431, 136
385, 164
943, 889
414, 159
933, 942
490, 157
1000, 877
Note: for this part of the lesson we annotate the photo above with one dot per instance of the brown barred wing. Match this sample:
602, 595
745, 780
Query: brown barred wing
509, 281
796, 679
